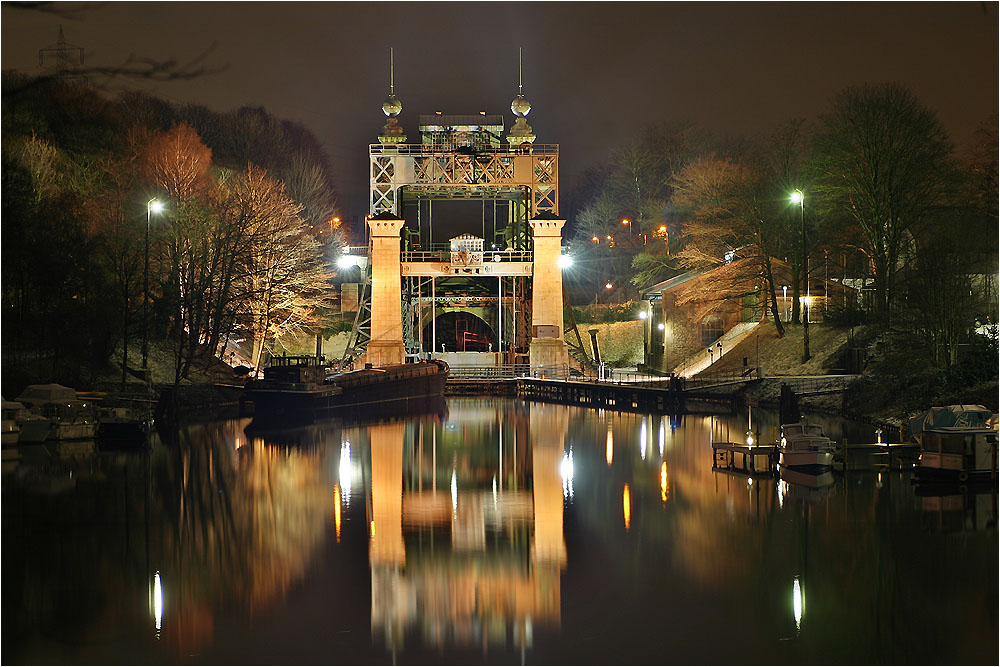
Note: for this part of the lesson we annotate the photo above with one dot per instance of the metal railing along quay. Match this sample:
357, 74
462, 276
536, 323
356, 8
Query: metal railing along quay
609, 388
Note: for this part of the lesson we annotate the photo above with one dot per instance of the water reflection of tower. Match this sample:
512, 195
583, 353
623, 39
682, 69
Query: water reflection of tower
467, 543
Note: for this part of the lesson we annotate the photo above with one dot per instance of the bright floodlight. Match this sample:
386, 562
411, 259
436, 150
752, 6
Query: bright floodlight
156, 206
642, 314
345, 261
796, 197
565, 261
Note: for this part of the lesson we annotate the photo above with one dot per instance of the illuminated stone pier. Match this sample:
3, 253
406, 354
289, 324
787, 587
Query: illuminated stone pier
386, 344
547, 348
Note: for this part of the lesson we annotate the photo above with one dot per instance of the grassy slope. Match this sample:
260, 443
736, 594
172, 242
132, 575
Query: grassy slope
620, 342
783, 356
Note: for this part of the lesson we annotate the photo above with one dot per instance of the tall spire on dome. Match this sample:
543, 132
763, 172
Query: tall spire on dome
392, 131
520, 133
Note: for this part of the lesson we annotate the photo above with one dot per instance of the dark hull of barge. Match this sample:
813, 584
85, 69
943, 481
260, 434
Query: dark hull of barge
371, 391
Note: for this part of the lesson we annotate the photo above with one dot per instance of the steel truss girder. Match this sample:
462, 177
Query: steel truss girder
460, 173
357, 341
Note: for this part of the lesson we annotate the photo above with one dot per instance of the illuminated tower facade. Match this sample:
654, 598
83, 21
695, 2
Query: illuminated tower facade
479, 234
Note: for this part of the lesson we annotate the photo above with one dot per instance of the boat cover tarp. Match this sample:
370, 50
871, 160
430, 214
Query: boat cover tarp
40, 394
951, 416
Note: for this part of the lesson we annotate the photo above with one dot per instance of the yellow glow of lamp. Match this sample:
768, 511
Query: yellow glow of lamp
336, 509
609, 451
664, 482
627, 506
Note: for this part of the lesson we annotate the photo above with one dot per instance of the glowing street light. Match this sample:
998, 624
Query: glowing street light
608, 286
595, 239
798, 198
152, 206
565, 261
628, 222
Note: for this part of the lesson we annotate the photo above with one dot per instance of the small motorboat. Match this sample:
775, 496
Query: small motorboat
804, 446
30, 427
11, 429
124, 424
70, 418
957, 442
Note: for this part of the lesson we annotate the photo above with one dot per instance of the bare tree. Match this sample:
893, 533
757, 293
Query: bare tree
196, 246
115, 220
883, 160
177, 162
284, 279
731, 215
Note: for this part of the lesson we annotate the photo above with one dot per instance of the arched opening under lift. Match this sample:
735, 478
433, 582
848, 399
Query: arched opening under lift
461, 331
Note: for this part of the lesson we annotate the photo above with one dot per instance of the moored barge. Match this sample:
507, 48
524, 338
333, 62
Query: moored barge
297, 386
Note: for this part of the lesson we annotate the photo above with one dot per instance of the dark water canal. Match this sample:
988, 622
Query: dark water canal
498, 532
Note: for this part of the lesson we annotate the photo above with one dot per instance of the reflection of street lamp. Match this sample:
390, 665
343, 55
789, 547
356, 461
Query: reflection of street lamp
152, 206
798, 198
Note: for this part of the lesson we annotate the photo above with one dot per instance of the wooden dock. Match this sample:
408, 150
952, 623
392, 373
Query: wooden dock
876, 456
762, 459
744, 459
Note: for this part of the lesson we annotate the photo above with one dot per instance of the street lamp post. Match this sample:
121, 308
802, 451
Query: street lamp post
152, 206
628, 222
798, 198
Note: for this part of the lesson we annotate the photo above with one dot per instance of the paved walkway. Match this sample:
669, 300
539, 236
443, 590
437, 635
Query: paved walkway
703, 359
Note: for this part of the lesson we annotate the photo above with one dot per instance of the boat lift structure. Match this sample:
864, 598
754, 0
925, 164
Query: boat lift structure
498, 280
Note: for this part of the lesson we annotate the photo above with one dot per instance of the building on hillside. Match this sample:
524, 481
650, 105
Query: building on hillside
691, 312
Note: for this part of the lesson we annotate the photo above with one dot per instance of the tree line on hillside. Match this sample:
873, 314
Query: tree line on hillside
239, 252
887, 200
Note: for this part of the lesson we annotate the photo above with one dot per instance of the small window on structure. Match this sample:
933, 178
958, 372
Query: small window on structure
711, 329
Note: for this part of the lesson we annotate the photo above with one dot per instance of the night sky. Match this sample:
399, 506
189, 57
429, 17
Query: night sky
594, 72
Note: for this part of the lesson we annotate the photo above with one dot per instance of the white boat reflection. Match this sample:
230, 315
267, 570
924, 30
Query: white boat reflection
805, 486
